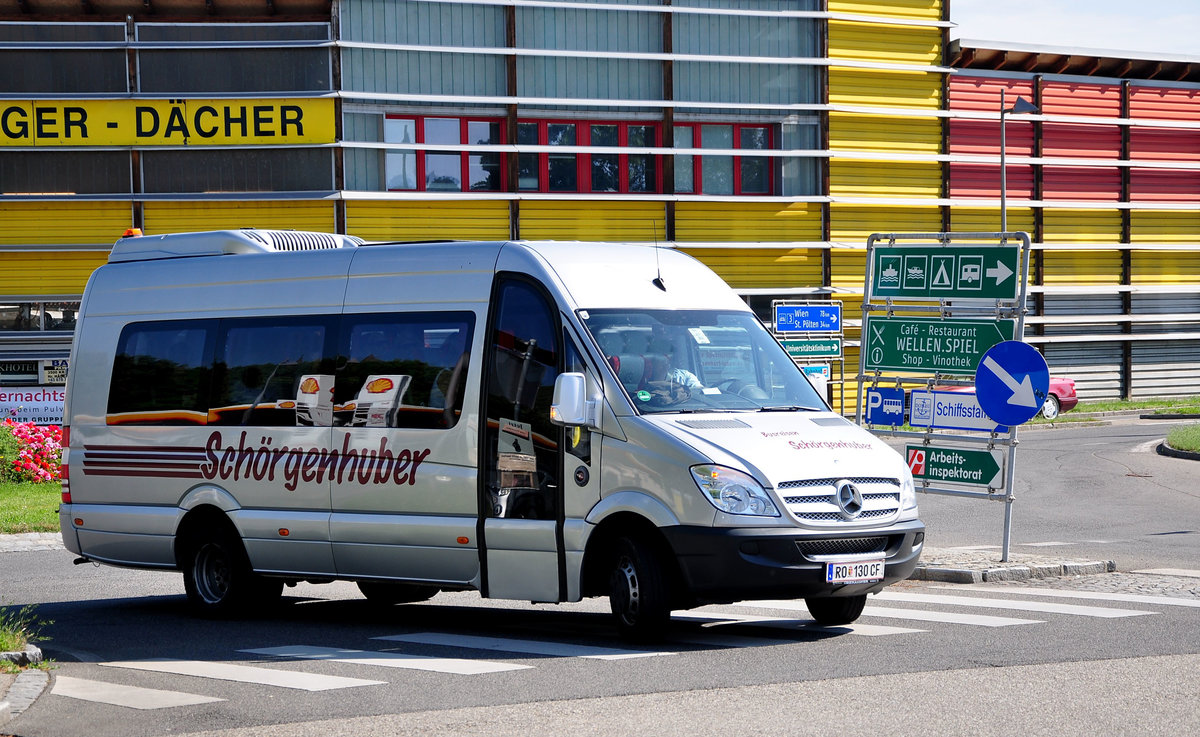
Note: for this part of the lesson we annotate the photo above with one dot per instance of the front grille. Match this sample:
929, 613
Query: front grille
843, 546
814, 501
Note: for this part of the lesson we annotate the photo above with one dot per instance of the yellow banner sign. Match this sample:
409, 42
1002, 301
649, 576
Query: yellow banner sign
217, 122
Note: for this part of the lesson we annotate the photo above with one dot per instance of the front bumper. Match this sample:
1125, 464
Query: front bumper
721, 565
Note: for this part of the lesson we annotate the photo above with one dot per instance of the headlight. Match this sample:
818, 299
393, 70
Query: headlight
733, 491
908, 490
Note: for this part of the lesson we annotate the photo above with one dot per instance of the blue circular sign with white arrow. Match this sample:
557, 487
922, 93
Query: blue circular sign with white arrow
1011, 382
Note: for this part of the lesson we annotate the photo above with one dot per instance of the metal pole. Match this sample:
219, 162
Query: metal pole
1003, 170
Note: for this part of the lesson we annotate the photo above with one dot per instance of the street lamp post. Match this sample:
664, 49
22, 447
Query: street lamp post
1020, 106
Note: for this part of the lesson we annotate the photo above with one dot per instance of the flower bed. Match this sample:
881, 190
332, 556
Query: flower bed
30, 452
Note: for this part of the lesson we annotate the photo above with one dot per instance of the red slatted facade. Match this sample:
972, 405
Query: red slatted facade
982, 138
1164, 144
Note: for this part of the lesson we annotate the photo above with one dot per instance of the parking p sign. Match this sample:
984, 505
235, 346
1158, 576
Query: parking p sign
885, 406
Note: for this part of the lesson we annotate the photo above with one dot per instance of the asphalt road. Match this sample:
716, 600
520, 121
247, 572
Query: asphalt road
1097, 655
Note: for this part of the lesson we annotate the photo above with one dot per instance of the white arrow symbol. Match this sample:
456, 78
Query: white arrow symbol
1022, 391
1000, 272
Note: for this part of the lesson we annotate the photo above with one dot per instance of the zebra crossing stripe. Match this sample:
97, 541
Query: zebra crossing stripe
514, 645
457, 666
243, 674
977, 620
133, 697
1093, 595
865, 630
1027, 606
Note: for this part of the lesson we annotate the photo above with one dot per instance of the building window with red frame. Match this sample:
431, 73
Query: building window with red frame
444, 171
616, 171
723, 174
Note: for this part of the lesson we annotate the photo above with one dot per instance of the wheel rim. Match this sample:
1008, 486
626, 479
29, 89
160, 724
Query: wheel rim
212, 574
626, 590
1050, 408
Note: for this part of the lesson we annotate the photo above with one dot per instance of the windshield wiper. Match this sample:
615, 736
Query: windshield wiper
789, 408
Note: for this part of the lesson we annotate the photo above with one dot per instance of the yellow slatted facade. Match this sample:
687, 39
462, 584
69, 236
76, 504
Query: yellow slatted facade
897, 44
749, 267
432, 220
1082, 226
183, 217
747, 221
64, 223
913, 9
25, 274
1165, 267
593, 221
879, 133
1066, 268
1165, 226
882, 179
884, 88
854, 223
987, 219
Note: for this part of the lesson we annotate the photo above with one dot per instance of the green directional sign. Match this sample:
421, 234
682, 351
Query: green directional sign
930, 344
946, 272
956, 465
813, 348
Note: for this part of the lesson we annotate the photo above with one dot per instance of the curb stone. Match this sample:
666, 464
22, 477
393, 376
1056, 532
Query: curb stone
1165, 450
988, 573
30, 655
22, 693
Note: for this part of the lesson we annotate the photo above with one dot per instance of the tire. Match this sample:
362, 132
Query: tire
1050, 407
218, 579
638, 591
831, 611
389, 594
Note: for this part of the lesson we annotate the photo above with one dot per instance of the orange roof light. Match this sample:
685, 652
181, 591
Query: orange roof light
131, 232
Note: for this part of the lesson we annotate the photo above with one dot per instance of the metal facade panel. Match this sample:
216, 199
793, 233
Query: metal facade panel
895, 44
642, 222
885, 179
747, 222
1095, 367
588, 78
1082, 226
982, 94
1081, 183
64, 223
422, 72
1081, 98
914, 9
848, 268
1165, 226
987, 219
982, 138
41, 272
1081, 267
877, 88
1164, 185
877, 133
185, 217
428, 220
1171, 306
983, 181
767, 268
585, 29
1165, 267
855, 223
1081, 141
1165, 368
1165, 144
423, 24
1164, 103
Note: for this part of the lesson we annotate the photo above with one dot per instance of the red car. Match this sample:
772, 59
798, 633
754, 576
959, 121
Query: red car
1059, 399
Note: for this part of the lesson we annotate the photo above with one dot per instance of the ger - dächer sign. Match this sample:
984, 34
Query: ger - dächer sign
946, 272
930, 344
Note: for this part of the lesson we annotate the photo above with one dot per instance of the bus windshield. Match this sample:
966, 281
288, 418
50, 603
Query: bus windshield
699, 361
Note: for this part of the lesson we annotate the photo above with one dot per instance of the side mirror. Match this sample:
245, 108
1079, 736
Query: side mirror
571, 406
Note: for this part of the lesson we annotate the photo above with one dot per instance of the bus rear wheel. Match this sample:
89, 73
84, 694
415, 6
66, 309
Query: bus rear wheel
218, 579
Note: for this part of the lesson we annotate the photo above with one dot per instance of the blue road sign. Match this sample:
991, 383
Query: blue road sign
1011, 382
819, 318
885, 406
957, 410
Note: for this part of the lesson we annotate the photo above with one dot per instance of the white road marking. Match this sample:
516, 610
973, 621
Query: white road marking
133, 697
1028, 606
1093, 595
1050, 544
866, 630
514, 645
244, 674
456, 666
1149, 446
1172, 572
977, 620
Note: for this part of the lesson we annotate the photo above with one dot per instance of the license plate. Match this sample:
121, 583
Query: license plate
859, 571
